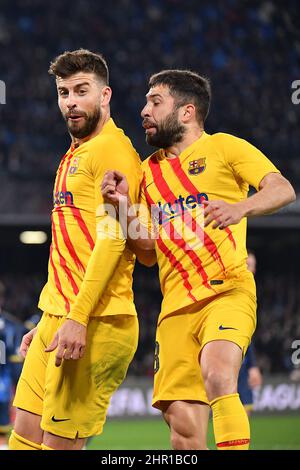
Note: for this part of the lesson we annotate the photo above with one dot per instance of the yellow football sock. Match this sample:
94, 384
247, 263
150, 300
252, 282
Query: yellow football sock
44, 447
17, 442
231, 424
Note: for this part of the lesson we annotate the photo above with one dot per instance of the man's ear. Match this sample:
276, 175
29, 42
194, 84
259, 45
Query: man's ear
188, 112
106, 93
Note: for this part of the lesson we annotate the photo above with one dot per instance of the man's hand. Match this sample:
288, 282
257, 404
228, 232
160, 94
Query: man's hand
222, 213
114, 186
70, 340
26, 341
254, 377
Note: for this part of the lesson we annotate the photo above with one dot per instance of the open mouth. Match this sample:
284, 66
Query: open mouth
75, 118
150, 130
149, 127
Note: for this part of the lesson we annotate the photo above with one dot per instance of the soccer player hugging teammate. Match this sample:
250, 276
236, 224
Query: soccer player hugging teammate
80, 352
196, 188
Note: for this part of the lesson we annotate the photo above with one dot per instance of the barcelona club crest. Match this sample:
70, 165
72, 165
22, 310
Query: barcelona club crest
74, 166
197, 166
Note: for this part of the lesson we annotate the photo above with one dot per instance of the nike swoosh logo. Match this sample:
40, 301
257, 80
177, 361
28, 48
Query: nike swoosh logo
221, 327
149, 184
59, 420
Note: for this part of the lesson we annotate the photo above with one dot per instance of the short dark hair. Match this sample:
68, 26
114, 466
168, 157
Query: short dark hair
186, 87
82, 60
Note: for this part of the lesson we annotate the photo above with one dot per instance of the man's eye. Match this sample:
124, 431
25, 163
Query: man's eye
82, 92
63, 93
156, 103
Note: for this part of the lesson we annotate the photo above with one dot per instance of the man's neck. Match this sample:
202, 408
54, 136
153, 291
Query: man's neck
189, 138
100, 125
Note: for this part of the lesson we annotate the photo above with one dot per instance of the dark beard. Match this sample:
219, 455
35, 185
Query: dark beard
91, 122
168, 132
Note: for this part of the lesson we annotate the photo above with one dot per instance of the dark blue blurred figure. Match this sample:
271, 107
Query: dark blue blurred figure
250, 376
11, 332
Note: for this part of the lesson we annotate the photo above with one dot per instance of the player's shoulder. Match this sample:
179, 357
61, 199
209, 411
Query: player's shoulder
110, 138
222, 138
227, 145
113, 144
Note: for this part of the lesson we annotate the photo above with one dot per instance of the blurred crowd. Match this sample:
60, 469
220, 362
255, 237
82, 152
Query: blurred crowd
250, 50
278, 315
278, 321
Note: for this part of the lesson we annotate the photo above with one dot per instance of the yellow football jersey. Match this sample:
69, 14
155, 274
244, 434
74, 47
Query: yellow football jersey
197, 262
75, 218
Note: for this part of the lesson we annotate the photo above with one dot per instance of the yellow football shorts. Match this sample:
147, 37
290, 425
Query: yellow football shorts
180, 338
73, 398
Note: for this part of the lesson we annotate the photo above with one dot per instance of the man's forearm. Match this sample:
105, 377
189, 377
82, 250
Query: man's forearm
100, 269
270, 198
138, 235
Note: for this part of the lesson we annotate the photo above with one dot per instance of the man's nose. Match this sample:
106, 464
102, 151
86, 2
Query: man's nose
71, 102
71, 105
145, 111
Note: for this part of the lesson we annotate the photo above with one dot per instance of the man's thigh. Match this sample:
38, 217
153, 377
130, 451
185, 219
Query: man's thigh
77, 394
230, 316
177, 369
31, 385
28, 425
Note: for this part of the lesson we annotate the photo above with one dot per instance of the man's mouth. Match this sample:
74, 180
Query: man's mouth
149, 127
74, 117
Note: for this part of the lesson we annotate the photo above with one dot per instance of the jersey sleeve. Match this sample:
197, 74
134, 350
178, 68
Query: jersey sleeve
144, 212
148, 212
110, 241
116, 155
246, 161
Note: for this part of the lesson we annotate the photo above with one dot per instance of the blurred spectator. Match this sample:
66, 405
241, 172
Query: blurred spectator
250, 50
11, 332
250, 376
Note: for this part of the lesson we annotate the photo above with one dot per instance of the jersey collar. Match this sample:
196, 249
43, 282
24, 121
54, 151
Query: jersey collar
190, 149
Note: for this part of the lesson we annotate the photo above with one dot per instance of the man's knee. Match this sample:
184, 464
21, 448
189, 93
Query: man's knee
219, 382
52, 441
220, 364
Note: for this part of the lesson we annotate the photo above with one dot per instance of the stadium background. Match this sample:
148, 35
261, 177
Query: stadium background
250, 50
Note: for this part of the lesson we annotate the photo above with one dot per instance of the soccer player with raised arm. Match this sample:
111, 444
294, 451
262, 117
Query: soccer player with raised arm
88, 333
196, 187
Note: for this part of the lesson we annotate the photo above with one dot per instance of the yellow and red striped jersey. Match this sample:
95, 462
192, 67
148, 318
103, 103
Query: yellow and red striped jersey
197, 262
75, 218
